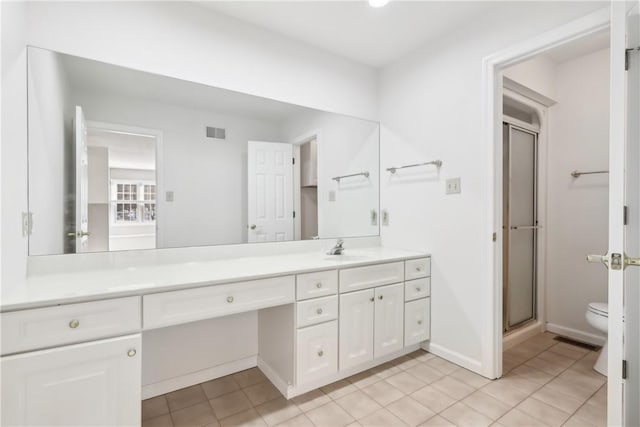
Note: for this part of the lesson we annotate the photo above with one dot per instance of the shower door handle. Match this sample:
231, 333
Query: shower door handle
525, 227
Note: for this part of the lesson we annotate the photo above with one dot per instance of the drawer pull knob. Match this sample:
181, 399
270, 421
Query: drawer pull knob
320, 353
418, 269
319, 285
418, 289
420, 322
319, 311
131, 352
380, 297
372, 299
74, 323
229, 299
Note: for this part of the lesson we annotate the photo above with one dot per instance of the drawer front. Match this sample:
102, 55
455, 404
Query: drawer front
353, 279
53, 326
318, 284
316, 310
317, 352
417, 326
173, 308
416, 289
417, 268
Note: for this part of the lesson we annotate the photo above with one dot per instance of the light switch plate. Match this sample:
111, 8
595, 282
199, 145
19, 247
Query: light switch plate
385, 217
332, 196
169, 196
453, 186
374, 217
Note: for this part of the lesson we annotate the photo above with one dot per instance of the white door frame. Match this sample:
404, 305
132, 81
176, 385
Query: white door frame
492, 186
297, 142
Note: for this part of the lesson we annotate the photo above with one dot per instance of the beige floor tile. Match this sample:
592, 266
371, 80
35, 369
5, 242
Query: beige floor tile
519, 383
424, 356
589, 380
383, 392
575, 421
486, 405
154, 407
410, 411
504, 393
405, 382
553, 357
338, 389
517, 418
532, 374
385, 370
247, 418
594, 414
329, 415
415, 354
571, 388
584, 365
381, 418
437, 421
311, 400
161, 421
364, 379
278, 411
463, 415
454, 388
194, 416
249, 377
299, 421
562, 401
570, 351
354, 424
544, 412
358, 404
508, 366
545, 366
405, 362
433, 398
442, 365
425, 373
230, 404
261, 392
470, 378
220, 386
185, 397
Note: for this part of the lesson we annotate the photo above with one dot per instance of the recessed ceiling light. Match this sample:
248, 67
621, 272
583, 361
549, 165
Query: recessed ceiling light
378, 3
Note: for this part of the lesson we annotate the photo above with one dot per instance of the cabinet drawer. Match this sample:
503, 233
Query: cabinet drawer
172, 308
417, 326
318, 284
417, 268
316, 311
317, 352
53, 326
353, 279
416, 289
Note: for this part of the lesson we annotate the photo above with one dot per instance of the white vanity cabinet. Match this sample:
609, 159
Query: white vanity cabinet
356, 327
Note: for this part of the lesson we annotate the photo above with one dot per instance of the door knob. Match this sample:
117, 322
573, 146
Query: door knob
618, 262
596, 259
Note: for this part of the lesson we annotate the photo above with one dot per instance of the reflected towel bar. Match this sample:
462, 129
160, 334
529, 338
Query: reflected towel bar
437, 163
338, 178
576, 174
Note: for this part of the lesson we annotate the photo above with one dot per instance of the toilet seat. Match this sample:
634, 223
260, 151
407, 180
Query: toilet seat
599, 308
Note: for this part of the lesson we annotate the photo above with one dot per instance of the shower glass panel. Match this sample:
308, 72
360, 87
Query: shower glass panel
520, 226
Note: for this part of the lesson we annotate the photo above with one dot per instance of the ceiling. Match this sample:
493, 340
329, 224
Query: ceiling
372, 36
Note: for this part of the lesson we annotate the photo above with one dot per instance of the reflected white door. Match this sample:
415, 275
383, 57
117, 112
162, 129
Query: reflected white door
82, 183
270, 192
624, 239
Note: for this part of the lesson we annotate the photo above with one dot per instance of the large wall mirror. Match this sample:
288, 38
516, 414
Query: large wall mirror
121, 159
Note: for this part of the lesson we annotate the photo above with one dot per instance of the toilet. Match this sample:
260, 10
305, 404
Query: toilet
598, 315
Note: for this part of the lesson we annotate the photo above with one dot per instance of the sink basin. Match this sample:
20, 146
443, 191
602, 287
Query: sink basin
345, 258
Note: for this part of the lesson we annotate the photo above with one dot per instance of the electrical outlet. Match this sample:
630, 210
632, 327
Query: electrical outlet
453, 186
374, 217
169, 196
385, 217
332, 196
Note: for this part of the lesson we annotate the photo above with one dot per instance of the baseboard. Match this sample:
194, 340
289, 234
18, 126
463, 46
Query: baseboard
522, 334
275, 379
192, 378
453, 357
576, 334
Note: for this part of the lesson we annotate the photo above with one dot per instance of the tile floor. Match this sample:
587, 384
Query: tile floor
546, 383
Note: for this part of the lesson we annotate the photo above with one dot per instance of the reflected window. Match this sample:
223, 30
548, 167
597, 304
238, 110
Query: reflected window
135, 202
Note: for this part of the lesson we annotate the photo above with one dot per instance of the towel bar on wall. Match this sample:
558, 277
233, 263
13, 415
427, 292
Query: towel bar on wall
338, 178
576, 174
437, 163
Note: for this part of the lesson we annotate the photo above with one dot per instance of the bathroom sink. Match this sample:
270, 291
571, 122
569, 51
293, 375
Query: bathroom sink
346, 258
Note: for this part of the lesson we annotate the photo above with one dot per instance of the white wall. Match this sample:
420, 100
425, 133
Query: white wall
431, 108
577, 212
538, 74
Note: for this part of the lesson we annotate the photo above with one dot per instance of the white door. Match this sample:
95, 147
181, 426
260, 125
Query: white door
82, 183
270, 192
624, 240
92, 384
356, 328
389, 319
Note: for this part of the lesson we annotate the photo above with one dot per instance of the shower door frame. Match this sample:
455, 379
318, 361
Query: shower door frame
522, 127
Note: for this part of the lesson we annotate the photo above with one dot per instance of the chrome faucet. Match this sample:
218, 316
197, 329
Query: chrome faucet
337, 249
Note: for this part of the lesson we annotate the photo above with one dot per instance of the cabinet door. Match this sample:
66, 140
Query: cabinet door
317, 355
417, 325
356, 328
96, 383
389, 319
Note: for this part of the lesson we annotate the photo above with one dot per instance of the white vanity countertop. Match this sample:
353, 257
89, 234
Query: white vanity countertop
54, 289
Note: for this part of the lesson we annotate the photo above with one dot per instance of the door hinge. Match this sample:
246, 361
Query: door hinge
628, 52
495, 237
27, 223
625, 215
624, 369
294, 214
293, 160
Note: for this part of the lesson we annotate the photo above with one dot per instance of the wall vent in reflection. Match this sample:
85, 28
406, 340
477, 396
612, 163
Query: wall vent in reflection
217, 133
